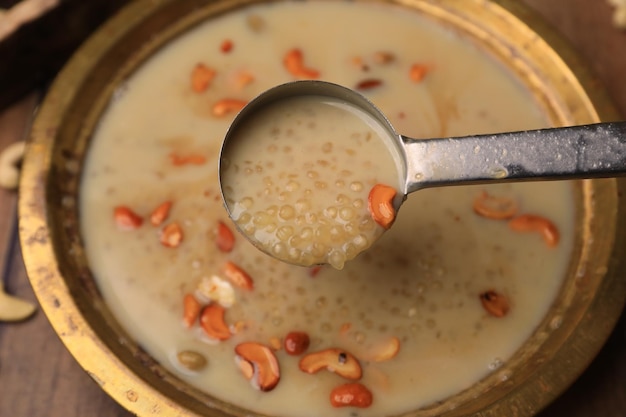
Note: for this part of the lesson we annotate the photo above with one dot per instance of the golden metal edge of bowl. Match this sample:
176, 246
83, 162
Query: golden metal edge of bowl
567, 98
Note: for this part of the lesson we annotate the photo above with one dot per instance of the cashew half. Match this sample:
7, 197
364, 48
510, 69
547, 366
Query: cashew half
14, 308
10, 159
334, 360
258, 363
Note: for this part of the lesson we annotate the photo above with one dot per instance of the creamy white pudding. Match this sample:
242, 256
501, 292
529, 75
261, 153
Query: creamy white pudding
440, 301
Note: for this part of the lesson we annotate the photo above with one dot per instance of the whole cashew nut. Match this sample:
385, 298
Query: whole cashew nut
619, 13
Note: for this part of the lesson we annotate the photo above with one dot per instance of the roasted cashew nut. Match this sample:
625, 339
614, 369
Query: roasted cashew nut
10, 159
619, 13
13, 308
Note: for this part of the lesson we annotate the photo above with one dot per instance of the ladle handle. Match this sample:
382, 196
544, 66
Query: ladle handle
587, 151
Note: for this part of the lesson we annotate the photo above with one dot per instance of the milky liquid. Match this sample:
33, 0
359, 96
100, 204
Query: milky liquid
298, 175
420, 282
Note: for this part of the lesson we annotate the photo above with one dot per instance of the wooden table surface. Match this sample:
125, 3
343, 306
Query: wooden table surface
38, 377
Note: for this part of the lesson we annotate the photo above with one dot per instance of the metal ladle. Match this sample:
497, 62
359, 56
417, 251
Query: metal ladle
586, 151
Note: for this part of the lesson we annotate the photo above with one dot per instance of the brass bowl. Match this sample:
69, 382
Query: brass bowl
566, 341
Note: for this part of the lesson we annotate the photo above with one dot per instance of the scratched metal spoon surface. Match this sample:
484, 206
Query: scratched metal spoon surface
577, 152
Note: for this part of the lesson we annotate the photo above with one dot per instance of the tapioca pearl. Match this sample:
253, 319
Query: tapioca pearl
248, 171
307, 166
286, 212
366, 224
280, 250
302, 205
340, 183
318, 249
272, 148
292, 186
360, 241
321, 302
274, 131
244, 218
225, 164
440, 271
321, 185
330, 212
345, 173
272, 210
306, 258
356, 186
268, 181
312, 174
287, 149
271, 227
323, 221
359, 337
284, 196
306, 234
357, 136
436, 285
351, 228
296, 242
261, 218
342, 200
300, 220
308, 192
350, 151
327, 147
350, 250
323, 163
283, 233
249, 229
326, 327
347, 213
245, 202
337, 234
310, 218
368, 165
229, 201
336, 259
294, 254
358, 203
258, 169
322, 233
